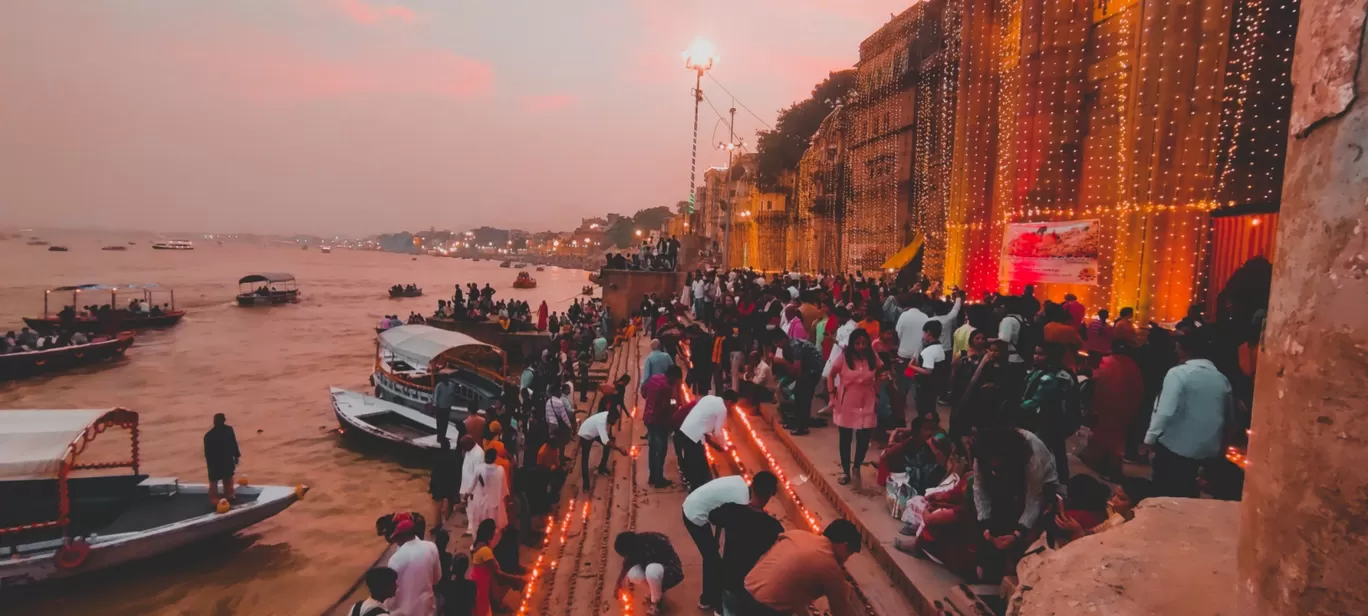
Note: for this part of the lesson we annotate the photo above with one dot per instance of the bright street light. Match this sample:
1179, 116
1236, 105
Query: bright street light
698, 57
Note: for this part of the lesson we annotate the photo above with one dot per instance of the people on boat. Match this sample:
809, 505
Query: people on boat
221, 456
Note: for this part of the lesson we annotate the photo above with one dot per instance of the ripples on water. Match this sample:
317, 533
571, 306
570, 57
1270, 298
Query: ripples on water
269, 370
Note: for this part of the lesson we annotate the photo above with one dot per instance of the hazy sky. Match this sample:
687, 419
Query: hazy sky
360, 116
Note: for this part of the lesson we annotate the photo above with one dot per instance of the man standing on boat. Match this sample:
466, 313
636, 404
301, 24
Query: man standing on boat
443, 399
221, 456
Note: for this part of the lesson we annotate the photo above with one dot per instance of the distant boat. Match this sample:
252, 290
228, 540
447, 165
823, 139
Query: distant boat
304, 247
37, 242
57, 248
174, 245
325, 249
506, 264
276, 289
132, 243
115, 248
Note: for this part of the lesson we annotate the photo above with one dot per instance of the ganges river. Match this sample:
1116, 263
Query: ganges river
269, 370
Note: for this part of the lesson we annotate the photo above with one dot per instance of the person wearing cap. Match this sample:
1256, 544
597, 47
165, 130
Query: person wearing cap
419, 568
597, 427
800, 568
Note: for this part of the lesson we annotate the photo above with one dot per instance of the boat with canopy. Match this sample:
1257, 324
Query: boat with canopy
267, 289
408, 356
73, 317
75, 500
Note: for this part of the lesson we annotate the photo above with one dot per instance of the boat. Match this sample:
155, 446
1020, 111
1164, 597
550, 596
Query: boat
359, 415
505, 264
76, 501
57, 248
587, 290
407, 356
541, 268
519, 266
37, 242
28, 363
74, 318
405, 292
174, 245
524, 281
115, 248
276, 288
304, 247
325, 249
132, 243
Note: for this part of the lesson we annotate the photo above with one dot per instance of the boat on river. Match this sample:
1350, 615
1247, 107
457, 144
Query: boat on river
37, 242
74, 318
275, 288
407, 357
174, 245
505, 264
114, 248
28, 363
370, 418
57, 248
76, 501
524, 281
325, 249
398, 292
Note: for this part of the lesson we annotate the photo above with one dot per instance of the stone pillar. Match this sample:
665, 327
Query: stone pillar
1304, 534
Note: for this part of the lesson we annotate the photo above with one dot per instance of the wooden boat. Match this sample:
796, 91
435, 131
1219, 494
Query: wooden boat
114, 248
62, 520
519, 266
407, 357
57, 248
371, 418
29, 363
276, 288
587, 290
174, 245
541, 268
395, 294
524, 281
506, 264
325, 249
37, 242
110, 322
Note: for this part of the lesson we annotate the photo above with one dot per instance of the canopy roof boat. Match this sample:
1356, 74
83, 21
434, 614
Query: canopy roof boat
524, 281
73, 317
275, 288
408, 356
27, 363
387, 422
174, 245
74, 500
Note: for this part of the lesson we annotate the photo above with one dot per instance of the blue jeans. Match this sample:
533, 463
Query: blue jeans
658, 440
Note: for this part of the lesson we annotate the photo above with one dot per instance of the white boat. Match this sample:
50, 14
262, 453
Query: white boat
72, 466
407, 356
174, 245
376, 419
325, 249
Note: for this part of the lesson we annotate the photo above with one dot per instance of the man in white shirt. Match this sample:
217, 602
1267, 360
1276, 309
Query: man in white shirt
703, 423
701, 503
598, 427
1009, 329
419, 568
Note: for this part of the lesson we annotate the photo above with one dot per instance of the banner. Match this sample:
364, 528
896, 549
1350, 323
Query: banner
1051, 252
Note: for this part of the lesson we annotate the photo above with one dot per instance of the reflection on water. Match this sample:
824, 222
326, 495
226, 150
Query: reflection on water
269, 370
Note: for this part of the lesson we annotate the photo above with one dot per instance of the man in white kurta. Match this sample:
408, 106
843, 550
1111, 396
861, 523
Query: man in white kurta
470, 465
488, 495
420, 568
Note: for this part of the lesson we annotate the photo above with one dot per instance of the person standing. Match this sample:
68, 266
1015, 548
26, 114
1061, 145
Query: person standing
1118, 390
221, 457
657, 361
443, 399
699, 506
470, 465
1124, 328
1075, 310
382, 583
702, 424
801, 365
598, 427
800, 568
489, 493
1189, 419
418, 566
660, 394
929, 369
650, 559
853, 383
1049, 406
1099, 335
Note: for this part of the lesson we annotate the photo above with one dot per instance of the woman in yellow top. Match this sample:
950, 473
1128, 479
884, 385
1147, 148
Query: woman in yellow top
495, 443
491, 583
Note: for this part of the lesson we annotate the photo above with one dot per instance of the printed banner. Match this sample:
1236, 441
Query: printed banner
1051, 252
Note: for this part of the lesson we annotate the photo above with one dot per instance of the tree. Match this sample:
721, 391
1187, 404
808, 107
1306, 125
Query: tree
781, 149
651, 218
622, 233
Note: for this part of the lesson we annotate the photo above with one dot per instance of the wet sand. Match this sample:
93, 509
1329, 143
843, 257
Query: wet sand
269, 370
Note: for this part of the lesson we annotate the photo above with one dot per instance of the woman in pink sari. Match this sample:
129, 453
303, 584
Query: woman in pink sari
1118, 389
853, 380
541, 317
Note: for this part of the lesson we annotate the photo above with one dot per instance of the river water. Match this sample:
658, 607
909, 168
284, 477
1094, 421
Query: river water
269, 370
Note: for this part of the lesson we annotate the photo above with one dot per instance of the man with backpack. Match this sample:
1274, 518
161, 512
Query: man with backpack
381, 582
930, 369
1050, 406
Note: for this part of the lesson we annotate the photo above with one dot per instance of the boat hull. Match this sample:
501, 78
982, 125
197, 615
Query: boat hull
40, 564
283, 297
30, 363
403, 294
121, 321
356, 415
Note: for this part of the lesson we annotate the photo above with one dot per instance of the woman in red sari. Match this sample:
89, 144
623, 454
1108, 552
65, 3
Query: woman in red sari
541, 317
1118, 390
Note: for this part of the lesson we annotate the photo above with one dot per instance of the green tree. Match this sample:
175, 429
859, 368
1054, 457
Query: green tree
622, 233
651, 217
780, 150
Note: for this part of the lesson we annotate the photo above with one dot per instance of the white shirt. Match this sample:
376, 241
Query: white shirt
909, 330
419, 568
932, 355
469, 464
1009, 330
947, 322
714, 494
708, 416
595, 427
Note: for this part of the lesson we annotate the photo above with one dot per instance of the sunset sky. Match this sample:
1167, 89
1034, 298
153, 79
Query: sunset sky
363, 116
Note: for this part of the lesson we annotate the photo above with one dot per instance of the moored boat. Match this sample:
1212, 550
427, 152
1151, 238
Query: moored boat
325, 249
505, 264
524, 281
28, 363
407, 357
75, 318
174, 245
541, 268
276, 288
57, 248
359, 415
114, 248
69, 510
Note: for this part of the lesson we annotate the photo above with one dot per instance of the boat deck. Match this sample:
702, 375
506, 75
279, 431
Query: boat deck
136, 515
398, 425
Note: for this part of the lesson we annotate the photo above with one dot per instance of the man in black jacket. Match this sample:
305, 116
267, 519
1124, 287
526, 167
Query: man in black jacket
221, 456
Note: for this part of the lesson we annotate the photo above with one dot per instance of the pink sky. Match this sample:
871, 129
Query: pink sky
363, 116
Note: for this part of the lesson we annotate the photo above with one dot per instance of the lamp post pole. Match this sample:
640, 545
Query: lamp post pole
699, 59
731, 196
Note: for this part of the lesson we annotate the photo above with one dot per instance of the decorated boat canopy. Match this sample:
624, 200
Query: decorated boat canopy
47, 444
109, 287
266, 277
424, 345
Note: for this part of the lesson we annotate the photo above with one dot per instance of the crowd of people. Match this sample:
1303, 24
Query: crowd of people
660, 256
29, 340
405, 289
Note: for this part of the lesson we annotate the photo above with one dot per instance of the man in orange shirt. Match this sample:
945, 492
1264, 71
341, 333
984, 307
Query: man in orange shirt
799, 568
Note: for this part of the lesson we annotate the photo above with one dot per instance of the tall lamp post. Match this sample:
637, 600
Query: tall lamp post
698, 58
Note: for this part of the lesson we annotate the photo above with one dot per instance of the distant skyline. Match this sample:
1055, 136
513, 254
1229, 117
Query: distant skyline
369, 116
